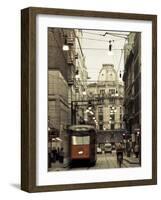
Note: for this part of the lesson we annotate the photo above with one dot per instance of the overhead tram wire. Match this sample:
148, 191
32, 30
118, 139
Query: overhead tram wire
88, 38
98, 40
119, 64
114, 34
120, 61
99, 49
91, 48
96, 81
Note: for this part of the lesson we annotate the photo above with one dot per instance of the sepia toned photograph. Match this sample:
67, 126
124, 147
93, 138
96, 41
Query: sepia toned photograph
88, 98
94, 99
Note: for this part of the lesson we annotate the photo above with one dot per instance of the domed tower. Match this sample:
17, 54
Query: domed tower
107, 73
109, 88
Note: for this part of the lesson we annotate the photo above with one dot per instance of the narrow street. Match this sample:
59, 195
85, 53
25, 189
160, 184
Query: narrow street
109, 161
94, 97
104, 161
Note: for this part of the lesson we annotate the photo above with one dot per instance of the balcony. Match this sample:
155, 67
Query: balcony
71, 82
77, 89
70, 41
70, 59
76, 56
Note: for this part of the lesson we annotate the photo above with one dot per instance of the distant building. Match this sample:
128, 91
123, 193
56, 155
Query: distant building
132, 80
108, 95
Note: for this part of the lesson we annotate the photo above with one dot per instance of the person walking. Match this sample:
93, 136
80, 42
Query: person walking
119, 153
61, 155
128, 149
57, 155
54, 153
136, 150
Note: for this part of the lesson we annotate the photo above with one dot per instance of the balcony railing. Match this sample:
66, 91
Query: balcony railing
70, 59
70, 40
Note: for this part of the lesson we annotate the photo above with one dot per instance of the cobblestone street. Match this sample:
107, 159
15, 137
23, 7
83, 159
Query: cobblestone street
104, 161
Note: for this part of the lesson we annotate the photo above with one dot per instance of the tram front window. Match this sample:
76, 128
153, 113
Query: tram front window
80, 140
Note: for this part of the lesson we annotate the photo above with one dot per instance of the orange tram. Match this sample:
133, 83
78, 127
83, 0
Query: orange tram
82, 145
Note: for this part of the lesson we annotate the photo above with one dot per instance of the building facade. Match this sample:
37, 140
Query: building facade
64, 85
108, 93
79, 88
132, 80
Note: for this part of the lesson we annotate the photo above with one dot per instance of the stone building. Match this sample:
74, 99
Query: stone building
132, 80
65, 62
108, 93
78, 89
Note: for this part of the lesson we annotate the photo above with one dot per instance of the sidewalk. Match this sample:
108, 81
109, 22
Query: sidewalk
132, 159
57, 166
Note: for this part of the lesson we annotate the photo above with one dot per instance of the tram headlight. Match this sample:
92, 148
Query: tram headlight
80, 152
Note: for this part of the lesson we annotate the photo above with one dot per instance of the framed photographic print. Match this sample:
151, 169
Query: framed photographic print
88, 99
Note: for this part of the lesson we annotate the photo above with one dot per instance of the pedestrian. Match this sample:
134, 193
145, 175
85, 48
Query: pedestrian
119, 153
54, 154
128, 149
57, 155
136, 150
61, 155
49, 159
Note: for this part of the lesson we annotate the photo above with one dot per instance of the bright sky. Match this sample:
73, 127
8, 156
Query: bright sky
95, 48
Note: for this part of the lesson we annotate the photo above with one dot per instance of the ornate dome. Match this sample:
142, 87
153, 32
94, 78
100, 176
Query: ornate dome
107, 73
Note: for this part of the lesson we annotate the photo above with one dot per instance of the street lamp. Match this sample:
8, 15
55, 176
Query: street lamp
110, 53
77, 74
89, 108
84, 93
120, 74
91, 112
116, 95
87, 111
65, 45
